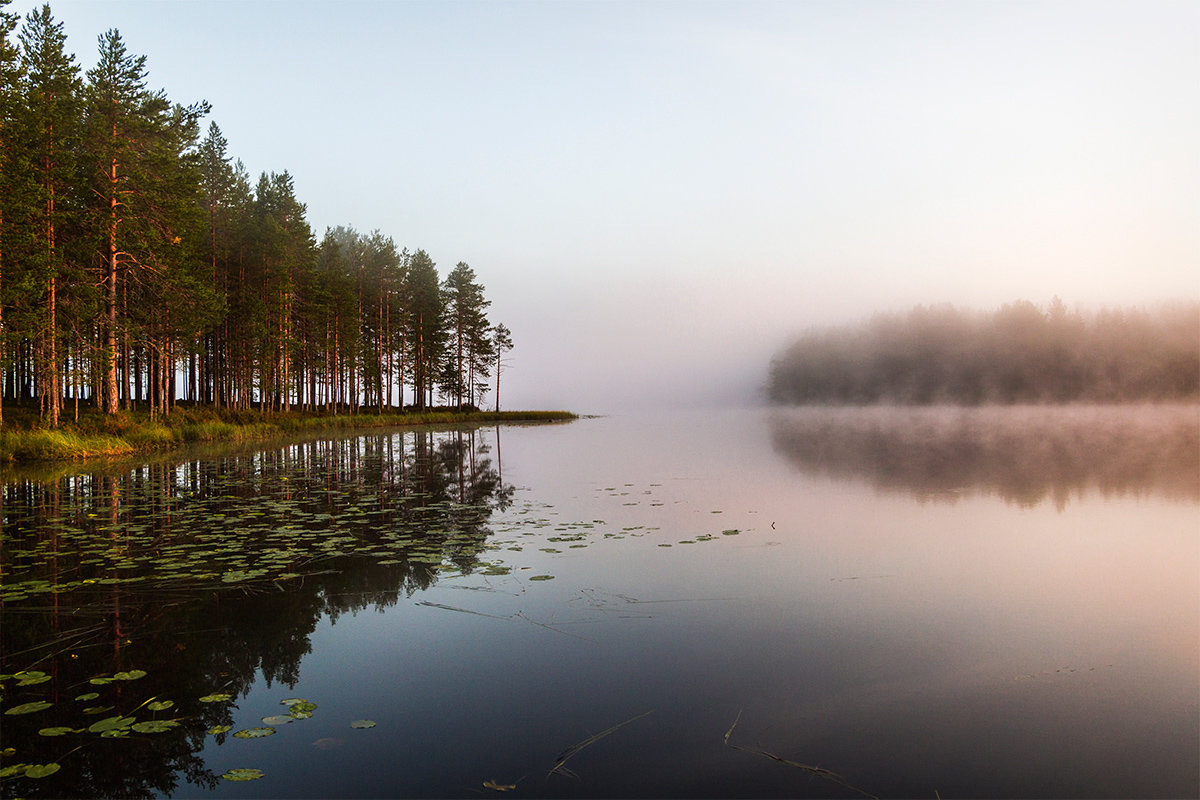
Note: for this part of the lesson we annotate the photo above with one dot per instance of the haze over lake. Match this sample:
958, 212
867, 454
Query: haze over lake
661, 600
916, 221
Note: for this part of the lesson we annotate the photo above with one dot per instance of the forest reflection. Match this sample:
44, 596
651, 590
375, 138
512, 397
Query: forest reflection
205, 574
1024, 454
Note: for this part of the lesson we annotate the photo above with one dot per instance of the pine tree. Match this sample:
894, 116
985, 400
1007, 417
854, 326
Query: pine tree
501, 344
466, 328
51, 88
10, 165
425, 324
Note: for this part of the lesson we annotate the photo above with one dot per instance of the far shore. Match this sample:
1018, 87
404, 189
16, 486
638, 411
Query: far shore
24, 440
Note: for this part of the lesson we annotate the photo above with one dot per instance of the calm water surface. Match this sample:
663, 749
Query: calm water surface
989, 603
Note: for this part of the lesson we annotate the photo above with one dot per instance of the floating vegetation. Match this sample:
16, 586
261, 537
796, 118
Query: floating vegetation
58, 731
223, 537
242, 774
279, 719
30, 770
216, 698
254, 733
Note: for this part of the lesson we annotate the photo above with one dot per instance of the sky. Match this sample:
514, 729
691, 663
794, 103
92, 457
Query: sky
658, 195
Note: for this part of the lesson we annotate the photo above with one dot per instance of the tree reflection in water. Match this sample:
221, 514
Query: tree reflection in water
204, 573
1024, 454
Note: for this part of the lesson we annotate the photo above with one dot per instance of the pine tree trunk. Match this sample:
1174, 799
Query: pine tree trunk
110, 296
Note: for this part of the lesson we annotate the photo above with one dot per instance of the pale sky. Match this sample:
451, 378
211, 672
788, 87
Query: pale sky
658, 194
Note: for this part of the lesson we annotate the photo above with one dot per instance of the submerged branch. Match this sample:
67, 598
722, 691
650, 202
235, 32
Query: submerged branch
820, 772
560, 764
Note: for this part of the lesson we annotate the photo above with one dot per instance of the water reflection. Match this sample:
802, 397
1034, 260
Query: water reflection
1026, 455
204, 574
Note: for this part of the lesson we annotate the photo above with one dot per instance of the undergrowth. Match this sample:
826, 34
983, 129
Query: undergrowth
24, 437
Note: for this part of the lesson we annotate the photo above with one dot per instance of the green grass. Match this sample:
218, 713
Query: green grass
24, 437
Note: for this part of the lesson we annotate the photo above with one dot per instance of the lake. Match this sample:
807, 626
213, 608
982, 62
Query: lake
994, 602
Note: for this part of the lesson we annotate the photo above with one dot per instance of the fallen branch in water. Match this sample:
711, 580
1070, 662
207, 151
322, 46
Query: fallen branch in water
559, 765
820, 772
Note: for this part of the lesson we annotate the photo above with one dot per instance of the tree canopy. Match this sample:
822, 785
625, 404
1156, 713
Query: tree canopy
140, 264
1017, 354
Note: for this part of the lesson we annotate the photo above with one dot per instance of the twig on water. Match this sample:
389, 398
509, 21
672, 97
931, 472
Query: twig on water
820, 772
570, 752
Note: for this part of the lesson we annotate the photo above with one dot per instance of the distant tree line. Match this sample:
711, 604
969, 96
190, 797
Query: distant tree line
1018, 354
141, 264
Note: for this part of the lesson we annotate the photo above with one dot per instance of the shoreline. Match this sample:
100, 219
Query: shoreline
133, 433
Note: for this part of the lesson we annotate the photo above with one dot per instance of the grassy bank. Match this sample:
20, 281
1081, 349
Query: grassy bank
25, 439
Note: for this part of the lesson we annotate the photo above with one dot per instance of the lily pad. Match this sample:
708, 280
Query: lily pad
215, 729
57, 731
131, 675
29, 708
155, 726
13, 769
299, 708
31, 678
243, 774
41, 770
88, 696
279, 719
216, 698
541, 577
110, 724
160, 705
362, 723
254, 733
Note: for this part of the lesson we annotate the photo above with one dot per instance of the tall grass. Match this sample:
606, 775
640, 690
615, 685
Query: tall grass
128, 432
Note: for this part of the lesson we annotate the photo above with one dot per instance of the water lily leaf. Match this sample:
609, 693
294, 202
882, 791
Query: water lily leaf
255, 733
12, 769
58, 731
301, 709
160, 705
216, 698
131, 675
243, 774
88, 696
110, 724
116, 733
31, 678
215, 729
41, 770
362, 723
97, 709
541, 577
279, 719
29, 708
155, 726
100, 681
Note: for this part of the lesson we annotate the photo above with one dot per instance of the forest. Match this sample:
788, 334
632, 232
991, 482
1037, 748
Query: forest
141, 264
1019, 353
